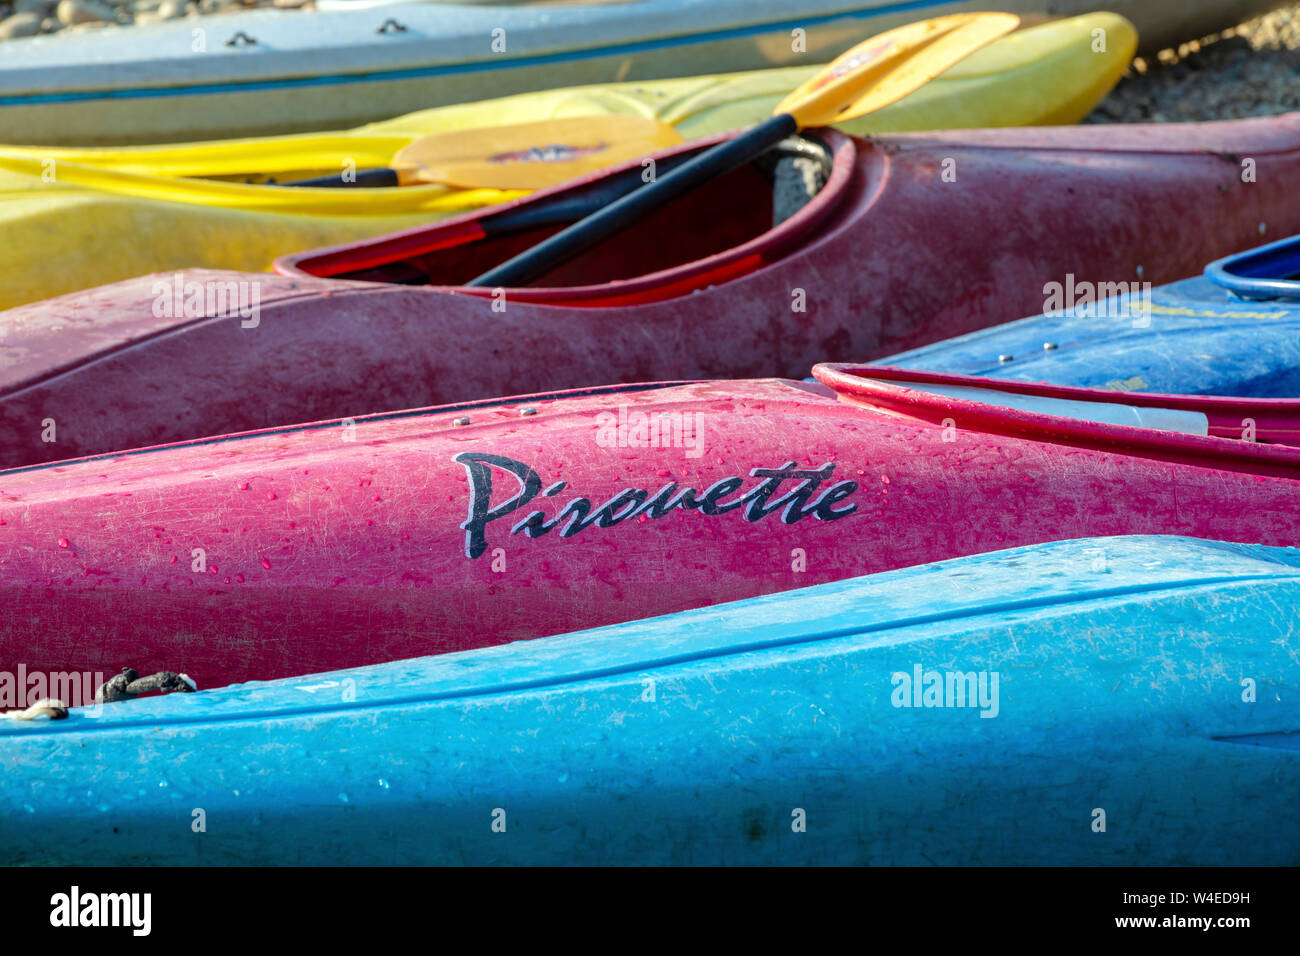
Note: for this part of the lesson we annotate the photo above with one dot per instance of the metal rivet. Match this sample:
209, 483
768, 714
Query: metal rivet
1004, 358
460, 421
529, 410
1048, 346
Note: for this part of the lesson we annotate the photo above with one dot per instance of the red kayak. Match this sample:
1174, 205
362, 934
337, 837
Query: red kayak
337, 544
886, 244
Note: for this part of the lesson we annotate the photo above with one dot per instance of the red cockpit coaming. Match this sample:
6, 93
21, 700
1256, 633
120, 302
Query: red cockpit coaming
1274, 449
665, 256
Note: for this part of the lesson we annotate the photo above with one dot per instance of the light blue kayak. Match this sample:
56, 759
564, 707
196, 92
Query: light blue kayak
1128, 700
1233, 331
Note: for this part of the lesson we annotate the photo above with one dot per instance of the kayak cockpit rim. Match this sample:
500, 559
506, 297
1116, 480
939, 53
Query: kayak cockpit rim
1255, 435
1260, 274
743, 232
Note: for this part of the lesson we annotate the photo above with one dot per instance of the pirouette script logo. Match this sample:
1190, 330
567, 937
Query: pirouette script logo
796, 503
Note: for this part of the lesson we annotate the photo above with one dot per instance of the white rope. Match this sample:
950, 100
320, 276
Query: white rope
46, 707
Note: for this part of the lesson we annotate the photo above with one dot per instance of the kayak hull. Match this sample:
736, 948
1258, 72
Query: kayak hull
822, 286
781, 730
76, 239
347, 543
70, 236
1194, 337
335, 69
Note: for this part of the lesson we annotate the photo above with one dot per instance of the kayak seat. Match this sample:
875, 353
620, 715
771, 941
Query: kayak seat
798, 169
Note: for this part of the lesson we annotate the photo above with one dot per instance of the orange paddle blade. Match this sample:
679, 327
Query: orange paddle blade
531, 155
887, 67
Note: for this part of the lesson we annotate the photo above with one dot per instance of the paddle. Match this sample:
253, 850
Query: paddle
870, 76
560, 209
521, 156
250, 197
535, 155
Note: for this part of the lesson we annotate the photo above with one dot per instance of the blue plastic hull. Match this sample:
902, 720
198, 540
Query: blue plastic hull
1197, 338
1140, 705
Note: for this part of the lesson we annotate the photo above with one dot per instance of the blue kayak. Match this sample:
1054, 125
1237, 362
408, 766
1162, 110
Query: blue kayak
1130, 700
1235, 330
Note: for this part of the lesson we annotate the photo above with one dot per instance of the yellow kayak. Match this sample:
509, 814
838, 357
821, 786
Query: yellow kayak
73, 218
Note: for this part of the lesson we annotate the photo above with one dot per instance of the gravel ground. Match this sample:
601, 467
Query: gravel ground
1251, 70
25, 18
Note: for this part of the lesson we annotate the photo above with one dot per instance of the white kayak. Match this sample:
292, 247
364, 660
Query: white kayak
280, 71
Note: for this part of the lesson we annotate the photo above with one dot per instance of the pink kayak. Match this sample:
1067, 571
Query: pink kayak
882, 245
337, 544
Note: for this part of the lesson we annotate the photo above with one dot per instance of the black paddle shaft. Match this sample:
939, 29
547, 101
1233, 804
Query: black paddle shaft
382, 176
619, 215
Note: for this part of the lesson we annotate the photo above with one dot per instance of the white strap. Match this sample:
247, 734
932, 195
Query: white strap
1106, 413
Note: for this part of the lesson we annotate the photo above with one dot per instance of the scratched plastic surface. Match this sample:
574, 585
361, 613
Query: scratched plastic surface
892, 255
1196, 339
696, 738
340, 544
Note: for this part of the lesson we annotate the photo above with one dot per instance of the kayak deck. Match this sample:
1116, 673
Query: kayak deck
698, 738
1233, 331
353, 542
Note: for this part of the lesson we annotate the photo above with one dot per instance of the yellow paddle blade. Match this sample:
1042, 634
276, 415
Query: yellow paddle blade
531, 155
278, 199
887, 67
278, 156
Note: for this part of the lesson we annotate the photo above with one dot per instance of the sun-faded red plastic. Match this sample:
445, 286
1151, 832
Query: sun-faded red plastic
344, 543
916, 238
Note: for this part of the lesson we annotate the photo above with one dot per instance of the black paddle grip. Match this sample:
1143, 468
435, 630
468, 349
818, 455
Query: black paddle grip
383, 176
